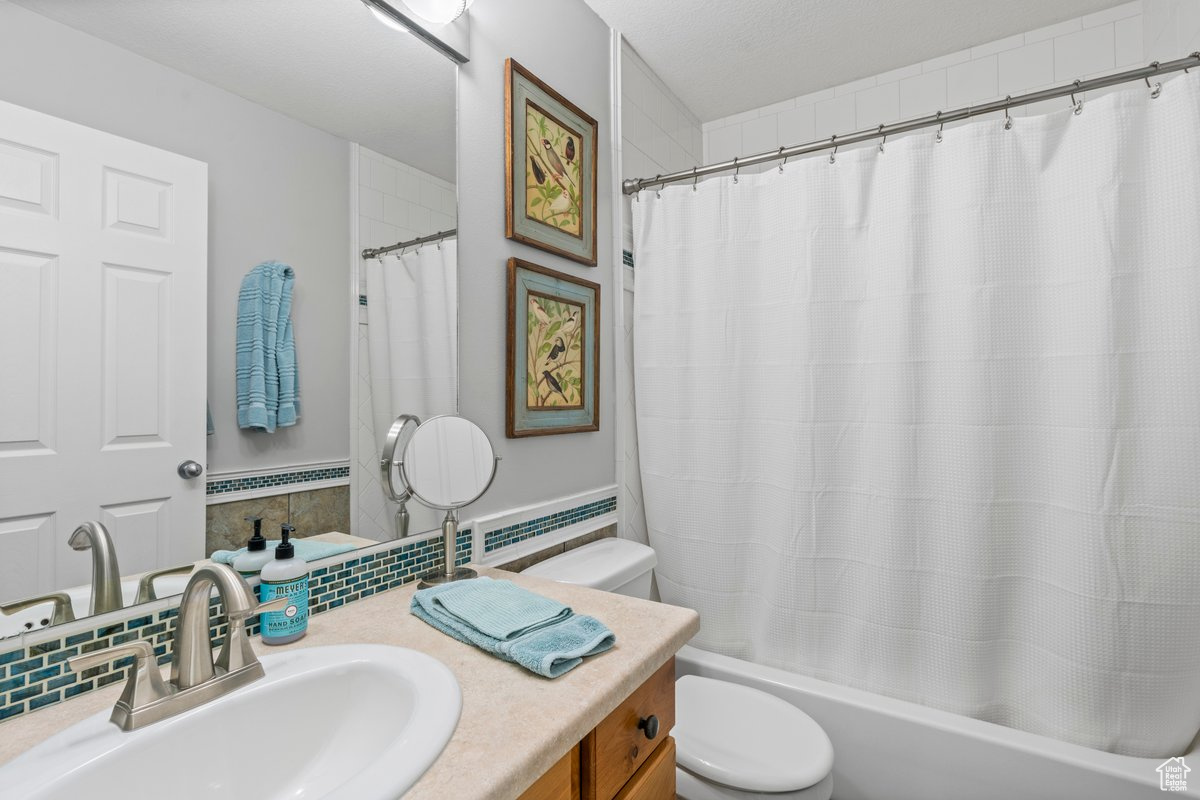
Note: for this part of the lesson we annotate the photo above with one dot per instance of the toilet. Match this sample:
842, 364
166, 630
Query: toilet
732, 742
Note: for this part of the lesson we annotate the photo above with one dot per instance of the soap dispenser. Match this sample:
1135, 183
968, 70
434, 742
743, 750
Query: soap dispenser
285, 576
256, 555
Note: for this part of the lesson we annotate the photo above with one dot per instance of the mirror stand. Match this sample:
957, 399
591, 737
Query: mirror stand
450, 573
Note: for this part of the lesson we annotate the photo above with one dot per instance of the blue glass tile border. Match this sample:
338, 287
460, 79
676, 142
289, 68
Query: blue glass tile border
286, 477
627, 258
36, 676
539, 526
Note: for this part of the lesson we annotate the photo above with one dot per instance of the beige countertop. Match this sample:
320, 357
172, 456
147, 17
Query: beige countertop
514, 725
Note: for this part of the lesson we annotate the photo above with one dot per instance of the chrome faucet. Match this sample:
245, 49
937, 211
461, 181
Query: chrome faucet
63, 610
106, 575
196, 678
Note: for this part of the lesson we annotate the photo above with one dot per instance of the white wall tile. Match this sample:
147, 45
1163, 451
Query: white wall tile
797, 126
971, 81
370, 202
760, 134
1025, 67
1127, 35
838, 115
879, 104
724, 144
1084, 53
923, 94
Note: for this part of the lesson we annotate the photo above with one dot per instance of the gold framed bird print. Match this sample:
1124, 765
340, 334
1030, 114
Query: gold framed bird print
553, 352
550, 168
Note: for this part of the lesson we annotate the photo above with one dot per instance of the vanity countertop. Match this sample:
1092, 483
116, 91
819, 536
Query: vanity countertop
514, 725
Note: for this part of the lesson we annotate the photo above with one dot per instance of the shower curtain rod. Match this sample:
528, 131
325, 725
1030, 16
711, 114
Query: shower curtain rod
633, 186
375, 252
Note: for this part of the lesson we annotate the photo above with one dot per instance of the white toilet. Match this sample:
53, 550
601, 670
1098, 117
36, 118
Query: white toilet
732, 742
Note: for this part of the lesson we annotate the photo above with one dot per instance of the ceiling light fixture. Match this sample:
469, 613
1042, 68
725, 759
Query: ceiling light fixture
439, 12
385, 18
428, 20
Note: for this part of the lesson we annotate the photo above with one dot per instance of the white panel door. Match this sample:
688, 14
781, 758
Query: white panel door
103, 259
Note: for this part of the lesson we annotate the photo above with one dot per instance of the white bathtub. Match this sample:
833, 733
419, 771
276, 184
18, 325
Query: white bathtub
887, 749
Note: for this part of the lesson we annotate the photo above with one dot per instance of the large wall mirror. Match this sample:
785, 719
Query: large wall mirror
215, 165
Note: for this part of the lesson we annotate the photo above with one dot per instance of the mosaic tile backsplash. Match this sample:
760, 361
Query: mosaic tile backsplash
282, 478
522, 531
35, 676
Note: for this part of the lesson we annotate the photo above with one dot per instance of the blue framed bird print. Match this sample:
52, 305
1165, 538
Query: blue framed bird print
553, 364
550, 168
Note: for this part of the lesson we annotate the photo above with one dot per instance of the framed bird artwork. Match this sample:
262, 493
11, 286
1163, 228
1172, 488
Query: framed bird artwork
553, 366
550, 168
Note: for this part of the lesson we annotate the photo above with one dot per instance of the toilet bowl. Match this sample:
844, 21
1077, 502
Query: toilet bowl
732, 742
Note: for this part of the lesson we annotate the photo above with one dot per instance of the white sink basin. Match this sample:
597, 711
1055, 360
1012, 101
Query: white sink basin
37, 617
357, 722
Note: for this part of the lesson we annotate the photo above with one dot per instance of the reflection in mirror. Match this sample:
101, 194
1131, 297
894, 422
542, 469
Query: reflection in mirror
448, 463
208, 139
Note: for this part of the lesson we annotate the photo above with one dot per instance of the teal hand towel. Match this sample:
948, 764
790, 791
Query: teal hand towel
266, 381
500, 609
305, 549
549, 649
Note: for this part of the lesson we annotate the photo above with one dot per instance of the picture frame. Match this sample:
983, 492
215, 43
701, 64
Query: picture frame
550, 158
553, 352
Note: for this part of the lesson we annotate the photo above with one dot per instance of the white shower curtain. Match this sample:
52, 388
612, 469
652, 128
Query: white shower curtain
926, 421
412, 339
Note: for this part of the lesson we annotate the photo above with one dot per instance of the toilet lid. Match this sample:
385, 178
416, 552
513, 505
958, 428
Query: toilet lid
747, 739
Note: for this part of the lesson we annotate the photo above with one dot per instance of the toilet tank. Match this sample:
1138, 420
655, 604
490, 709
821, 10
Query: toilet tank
612, 565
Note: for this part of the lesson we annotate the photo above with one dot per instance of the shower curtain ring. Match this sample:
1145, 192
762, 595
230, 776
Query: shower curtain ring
785, 158
736, 169
1155, 90
695, 178
1076, 104
833, 155
941, 125
1007, 118
884, 141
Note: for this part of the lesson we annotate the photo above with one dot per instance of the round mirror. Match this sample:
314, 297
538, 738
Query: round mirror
448, 462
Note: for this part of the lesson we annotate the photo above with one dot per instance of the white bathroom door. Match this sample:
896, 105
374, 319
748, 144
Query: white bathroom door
103, 262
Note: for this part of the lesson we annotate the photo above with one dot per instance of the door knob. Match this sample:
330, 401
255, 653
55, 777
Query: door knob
190, 469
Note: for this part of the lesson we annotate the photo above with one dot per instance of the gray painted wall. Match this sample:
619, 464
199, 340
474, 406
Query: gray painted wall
565, 44
277, 189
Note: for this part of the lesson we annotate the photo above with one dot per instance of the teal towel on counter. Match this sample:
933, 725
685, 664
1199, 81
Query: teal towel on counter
267, 388
500, 609
542, 638
305, 549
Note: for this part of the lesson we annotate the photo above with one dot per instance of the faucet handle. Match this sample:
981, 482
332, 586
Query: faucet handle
145, 589
145, 684
63, 610
236, 653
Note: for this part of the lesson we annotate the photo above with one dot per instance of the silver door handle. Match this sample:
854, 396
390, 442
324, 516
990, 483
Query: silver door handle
190, 469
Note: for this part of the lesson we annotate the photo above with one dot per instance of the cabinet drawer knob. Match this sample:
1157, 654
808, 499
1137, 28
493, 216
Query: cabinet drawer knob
649, 726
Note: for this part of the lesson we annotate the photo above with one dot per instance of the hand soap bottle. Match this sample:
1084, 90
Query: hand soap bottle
285, 576
257, 555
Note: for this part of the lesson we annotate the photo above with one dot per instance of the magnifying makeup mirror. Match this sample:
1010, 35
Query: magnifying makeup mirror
446, 462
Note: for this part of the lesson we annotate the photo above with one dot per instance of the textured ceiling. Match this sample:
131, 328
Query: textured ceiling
725, 56
328, 63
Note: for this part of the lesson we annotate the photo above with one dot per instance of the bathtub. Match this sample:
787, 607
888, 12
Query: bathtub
886, 749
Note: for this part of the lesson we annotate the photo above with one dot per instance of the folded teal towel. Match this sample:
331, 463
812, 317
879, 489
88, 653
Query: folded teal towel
305, 549
267, 388
556, 644
500, 609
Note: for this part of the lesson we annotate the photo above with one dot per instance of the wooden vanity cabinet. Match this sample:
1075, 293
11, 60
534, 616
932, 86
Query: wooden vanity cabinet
630, 755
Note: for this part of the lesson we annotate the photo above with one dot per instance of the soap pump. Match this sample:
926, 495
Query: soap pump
256, 555
285, 576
